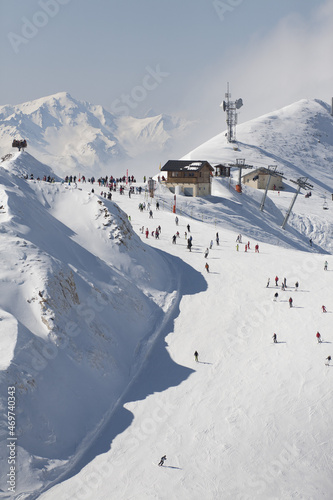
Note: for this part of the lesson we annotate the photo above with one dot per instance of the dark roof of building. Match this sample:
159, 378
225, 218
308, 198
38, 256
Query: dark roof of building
185, 165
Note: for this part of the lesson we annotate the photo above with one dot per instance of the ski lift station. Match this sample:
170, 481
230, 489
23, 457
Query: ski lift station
258, 179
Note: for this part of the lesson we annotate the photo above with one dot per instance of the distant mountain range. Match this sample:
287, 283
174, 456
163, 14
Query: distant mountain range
78, 137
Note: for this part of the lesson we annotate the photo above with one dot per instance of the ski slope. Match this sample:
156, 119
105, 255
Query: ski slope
99, 325
251, 420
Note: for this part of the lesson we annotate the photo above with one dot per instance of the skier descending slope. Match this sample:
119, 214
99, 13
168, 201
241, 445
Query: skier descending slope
163, 459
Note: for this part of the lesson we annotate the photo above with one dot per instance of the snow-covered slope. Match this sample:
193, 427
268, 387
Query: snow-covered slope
253, 419
25, 165
78, 137
99, 325
81, 301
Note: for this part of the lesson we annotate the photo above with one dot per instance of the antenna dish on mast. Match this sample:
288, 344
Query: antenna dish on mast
239, 103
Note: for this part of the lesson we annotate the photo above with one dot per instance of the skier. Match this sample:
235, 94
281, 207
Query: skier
176, 220
248, 245
268, 282
207, 267
237, 247
189, 244
150, 214
174, 238
206, 253
296, 286
274, 338
188, 228
245, 248
290, 302
217, 239
275, 296
318, 337
324, 309
285, 282
276, 281
282, 287
328, 359
325, 265
196, 356
147, 232
211, 244
163, 459
310, 241
256, 248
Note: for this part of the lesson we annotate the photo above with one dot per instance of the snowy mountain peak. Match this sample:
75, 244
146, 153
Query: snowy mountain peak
78, 137
297, 138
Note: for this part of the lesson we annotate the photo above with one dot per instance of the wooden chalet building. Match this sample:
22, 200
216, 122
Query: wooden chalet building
192, 178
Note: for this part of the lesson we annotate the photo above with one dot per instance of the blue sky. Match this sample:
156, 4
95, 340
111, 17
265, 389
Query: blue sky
173, 56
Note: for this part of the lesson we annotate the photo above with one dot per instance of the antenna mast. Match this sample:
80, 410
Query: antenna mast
230, 108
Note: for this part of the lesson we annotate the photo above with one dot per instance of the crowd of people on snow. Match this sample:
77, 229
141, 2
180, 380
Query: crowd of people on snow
107, 181
45, 178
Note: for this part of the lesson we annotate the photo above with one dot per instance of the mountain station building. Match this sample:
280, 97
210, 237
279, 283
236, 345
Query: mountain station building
258, 179
190, 177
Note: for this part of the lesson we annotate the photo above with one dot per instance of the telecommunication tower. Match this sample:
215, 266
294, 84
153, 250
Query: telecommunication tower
230, 107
